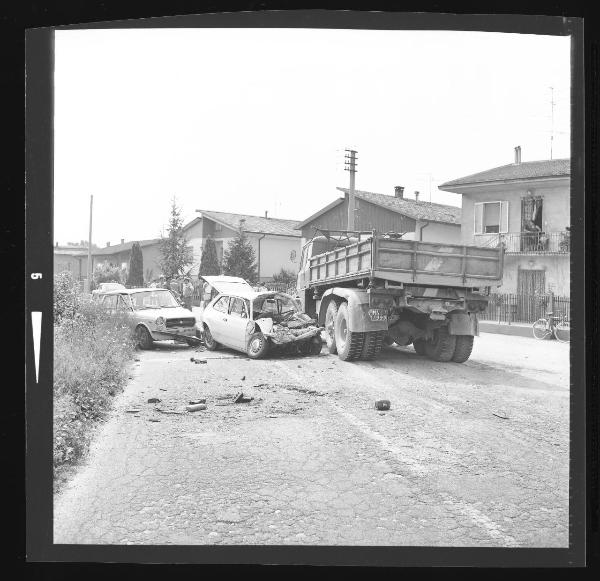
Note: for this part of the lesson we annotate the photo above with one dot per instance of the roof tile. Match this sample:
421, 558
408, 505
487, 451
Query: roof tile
255, 224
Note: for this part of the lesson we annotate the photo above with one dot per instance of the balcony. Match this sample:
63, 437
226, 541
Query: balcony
528, 242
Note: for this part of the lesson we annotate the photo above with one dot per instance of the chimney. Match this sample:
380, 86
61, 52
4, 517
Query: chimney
266, 214
107, 244
518, 154
399, 191
122, 240
416, 196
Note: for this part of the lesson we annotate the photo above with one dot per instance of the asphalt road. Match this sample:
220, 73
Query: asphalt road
472, 454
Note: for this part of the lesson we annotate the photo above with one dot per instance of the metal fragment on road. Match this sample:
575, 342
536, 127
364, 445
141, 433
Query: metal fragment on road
172, 412
501, 415
382, 404
195, 401
153, 420
240, 398
196, 407
132, 411
154, 400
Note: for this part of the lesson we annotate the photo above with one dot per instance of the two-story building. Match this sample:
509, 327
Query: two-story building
276, 242
524, 206
416, 219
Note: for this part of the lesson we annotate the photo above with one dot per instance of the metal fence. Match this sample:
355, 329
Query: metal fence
524, 308
528, 242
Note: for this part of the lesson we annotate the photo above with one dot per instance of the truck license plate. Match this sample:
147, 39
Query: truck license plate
377, 314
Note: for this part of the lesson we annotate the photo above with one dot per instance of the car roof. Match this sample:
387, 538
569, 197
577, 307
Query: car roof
252, 294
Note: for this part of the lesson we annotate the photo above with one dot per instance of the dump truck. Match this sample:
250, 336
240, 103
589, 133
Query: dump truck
369, 290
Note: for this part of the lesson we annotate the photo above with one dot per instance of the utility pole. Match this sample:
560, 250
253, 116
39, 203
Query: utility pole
552, 119
89, 261
350, 164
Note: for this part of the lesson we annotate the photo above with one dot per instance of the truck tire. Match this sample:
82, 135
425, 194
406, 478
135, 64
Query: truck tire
330, 317
372, 345
419, 345
441, 347
464, 346
349, 344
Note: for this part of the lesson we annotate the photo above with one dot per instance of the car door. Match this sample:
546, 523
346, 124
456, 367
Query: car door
216, 316
237, 322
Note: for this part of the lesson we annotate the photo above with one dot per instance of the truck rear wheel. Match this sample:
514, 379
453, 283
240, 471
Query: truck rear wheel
419, 345
372, 345
330, 317
442, 346
349, 344
464, 346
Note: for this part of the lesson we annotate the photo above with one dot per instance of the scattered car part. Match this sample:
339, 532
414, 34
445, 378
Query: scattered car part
196, 407
382, 404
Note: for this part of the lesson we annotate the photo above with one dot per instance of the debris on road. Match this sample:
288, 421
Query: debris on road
132, 411
240, 398
501, 415
162, 389
260, 385
195, 401
197, 361
153, 400
382, 404
196, 407
244, 378
171, 412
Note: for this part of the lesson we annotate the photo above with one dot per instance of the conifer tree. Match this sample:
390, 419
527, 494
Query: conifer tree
209, 262
175, 252
239, 258
135, 278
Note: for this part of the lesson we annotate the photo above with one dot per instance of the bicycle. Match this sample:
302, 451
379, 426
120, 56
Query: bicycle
553, 326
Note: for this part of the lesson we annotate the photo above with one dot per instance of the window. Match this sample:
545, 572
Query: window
110, 302
124, 303
491, 217
238, 308
222, 305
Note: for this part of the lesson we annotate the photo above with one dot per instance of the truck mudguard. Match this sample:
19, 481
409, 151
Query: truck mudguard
358, 309
463, 324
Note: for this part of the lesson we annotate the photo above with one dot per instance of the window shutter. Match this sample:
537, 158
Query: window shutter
503, 217
478, 215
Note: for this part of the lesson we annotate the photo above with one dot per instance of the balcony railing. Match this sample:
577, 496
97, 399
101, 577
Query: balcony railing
528, 242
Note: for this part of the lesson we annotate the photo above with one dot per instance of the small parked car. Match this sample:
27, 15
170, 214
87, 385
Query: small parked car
256, 322
155, 314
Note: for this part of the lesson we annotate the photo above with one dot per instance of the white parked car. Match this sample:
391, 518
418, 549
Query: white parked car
155, 314
255, 322
105, 287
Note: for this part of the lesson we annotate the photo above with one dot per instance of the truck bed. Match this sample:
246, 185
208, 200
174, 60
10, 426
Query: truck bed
409, 262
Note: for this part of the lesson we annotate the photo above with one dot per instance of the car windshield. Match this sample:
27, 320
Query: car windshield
153, 299
275, 305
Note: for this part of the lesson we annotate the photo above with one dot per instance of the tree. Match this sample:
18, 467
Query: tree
238, 259
209, 262
175, 252
135, 278
284, 276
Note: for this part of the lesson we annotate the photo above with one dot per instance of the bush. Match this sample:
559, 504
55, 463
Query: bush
66, 296
91, 352
284, 276
108, 273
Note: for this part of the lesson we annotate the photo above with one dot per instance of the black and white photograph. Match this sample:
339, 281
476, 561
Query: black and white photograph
311, 287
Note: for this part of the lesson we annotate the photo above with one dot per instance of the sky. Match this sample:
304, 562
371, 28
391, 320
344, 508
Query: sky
255, 120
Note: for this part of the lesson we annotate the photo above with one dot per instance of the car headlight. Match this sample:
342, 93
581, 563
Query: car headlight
160, 322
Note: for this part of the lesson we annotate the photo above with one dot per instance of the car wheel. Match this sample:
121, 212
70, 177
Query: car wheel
349, 343
442, 346
209, 340
330, 316
258, 346
143, 337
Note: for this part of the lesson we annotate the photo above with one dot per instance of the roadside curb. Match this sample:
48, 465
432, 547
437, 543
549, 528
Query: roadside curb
505, 329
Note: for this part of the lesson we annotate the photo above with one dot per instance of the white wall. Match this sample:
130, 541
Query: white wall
438, 232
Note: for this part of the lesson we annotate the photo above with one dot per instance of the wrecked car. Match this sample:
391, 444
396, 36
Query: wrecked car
256, 322
155, 314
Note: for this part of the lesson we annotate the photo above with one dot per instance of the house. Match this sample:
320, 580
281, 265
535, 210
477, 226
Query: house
71, 258
525, 206
119, 254
419, 220
276, 242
